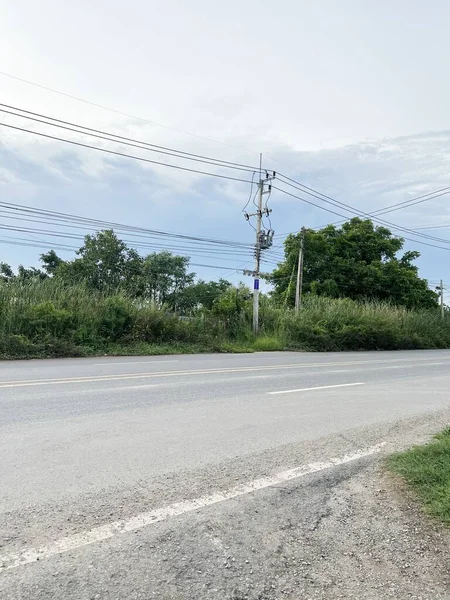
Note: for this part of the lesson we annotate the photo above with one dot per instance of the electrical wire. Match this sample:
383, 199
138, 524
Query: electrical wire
353, 210
307, 189
112, 137
251, 192
367, 215
413, 201
66, 247
122, 154
69, 220
427, 227
118, 112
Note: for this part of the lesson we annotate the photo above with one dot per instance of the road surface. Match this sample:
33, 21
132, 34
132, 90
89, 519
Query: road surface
218, 476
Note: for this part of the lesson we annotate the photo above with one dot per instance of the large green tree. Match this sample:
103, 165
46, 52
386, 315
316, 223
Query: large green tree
358, 260
104, 262
165, 278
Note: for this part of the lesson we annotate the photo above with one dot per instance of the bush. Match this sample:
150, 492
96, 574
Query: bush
116, 318
46, 318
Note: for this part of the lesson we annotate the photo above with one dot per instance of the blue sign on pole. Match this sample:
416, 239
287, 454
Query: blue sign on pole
256, 284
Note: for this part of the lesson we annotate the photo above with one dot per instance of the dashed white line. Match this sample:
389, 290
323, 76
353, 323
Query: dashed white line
110, 530
319, 387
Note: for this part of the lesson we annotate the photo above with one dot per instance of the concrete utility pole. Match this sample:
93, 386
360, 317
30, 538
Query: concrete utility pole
442, 299
299, 286
257, 254
264, 237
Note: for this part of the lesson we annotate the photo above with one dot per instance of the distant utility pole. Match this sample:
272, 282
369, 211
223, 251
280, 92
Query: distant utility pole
299, 286
264, 238
442, 299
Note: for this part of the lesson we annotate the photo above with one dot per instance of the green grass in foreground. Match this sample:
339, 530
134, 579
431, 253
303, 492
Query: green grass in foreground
427, 470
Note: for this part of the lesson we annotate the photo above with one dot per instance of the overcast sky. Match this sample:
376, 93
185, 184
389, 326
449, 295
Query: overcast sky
349, 97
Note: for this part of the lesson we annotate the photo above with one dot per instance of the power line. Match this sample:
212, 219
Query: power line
413, 201
426, 227
45, 244
69, 219
205, 251
316, 193
385, 222
308, 202
105, 135
118, 112
355, 211
113, 152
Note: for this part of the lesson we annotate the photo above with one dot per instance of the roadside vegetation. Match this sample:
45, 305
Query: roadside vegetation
49, 318
427, 470
359, 295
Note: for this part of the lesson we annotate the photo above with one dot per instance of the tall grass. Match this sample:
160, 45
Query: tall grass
47, 318
341, 324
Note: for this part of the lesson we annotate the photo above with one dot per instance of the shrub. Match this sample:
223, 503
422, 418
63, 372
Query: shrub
46, 318
116, 318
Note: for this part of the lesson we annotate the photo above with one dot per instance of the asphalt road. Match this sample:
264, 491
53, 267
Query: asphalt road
193, 476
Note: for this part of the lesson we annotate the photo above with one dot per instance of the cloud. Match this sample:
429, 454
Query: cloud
367, 175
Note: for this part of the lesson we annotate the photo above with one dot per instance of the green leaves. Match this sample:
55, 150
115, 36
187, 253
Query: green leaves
358, 261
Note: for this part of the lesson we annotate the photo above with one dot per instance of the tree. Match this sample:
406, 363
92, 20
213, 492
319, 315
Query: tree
165, 278
24, 274
6, 272
50, 262
357, 260
105, 262
202, 294
233, 302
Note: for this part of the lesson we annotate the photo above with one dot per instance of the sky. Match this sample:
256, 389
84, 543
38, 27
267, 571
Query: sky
349, 98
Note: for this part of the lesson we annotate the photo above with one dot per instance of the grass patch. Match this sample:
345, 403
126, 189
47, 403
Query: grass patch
427, 470
268, 344
144, 349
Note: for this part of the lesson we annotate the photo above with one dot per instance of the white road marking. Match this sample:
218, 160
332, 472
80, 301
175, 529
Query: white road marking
133, 362
124, 376
110, 530
429, 364
145, 386
319, 387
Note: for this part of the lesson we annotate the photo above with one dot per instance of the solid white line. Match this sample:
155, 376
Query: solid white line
145, 386
109, 530
95, 378
319, 387
134, 362
157, 374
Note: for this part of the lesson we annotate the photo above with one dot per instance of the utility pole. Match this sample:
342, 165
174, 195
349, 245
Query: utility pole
257, 253
299, 286
264, 237
442, 299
